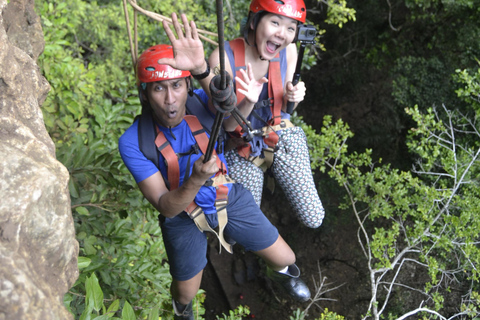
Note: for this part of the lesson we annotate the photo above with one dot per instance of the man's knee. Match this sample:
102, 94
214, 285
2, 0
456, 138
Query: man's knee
185, 291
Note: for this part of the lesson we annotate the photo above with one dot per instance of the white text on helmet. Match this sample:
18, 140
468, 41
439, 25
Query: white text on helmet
288, 11
166, 74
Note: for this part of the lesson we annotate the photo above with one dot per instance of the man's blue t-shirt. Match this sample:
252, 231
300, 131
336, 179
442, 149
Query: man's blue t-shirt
181, 139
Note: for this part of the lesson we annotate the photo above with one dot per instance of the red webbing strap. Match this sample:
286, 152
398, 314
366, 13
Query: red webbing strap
173, 170
191, 207
202, 141
202, 138
275, 90
238, 48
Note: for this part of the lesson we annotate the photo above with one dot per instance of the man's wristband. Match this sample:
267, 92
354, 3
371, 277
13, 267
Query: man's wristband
202, 75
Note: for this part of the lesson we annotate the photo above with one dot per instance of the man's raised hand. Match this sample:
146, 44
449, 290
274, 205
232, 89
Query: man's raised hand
187, 47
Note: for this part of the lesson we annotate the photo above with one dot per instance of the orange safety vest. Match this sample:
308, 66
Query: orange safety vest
275, 93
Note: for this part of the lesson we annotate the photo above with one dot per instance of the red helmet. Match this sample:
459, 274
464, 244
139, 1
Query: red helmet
294, 9
149, 70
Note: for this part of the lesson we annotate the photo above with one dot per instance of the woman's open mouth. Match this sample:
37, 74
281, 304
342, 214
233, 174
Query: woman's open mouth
272, 46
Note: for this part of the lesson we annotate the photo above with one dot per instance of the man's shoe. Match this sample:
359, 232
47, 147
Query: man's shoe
291, 282
182, 312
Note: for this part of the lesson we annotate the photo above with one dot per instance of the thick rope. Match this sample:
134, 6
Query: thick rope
218, 122
127, 20
224, 100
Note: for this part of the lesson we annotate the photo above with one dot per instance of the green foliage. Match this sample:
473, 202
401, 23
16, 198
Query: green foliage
92, 101
329, 315
423, 72
338, 13
238, 314
424, 219
421, 81
470, 91
326, 315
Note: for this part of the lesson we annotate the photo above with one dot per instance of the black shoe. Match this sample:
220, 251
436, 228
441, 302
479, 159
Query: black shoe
291, 282
182, 312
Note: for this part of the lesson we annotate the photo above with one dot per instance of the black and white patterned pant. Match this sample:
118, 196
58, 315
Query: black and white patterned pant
291, 170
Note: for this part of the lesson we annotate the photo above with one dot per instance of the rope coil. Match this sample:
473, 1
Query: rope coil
224, 100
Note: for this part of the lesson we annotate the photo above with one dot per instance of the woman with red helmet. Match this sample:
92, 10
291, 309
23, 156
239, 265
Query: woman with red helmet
262, 62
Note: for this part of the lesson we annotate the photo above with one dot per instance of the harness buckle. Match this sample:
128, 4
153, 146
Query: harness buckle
253, 133
264, 103
195, 213
196, 148
221, 203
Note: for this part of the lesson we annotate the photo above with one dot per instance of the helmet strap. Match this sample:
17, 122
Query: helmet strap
189, 85
143, 97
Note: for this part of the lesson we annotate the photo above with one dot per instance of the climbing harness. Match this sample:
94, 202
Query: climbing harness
219, 182
275, 100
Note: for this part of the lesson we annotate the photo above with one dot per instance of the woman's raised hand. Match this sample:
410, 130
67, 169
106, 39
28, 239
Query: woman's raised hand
250, 87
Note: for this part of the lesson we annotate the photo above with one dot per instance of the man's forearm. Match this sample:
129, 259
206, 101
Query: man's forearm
174, 202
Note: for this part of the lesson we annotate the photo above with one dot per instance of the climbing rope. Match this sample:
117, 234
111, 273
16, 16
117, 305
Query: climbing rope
221, 105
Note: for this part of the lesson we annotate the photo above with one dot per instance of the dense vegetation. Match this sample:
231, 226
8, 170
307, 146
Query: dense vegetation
420, 57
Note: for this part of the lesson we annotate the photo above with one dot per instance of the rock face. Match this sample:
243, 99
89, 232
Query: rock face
38, 249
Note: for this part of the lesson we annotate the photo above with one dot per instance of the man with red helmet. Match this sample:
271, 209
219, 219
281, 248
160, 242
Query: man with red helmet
188, 197
263, 61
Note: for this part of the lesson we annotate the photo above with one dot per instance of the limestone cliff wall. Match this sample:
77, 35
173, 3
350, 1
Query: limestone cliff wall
38, 249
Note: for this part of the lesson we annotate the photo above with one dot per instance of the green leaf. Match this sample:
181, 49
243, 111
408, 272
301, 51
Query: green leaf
72, 186
67, 300
87, 313
82, 211
153, 315
94, 292
127, 312
83, 262
114, 308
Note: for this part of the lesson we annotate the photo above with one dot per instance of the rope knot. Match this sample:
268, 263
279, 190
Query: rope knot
224, 100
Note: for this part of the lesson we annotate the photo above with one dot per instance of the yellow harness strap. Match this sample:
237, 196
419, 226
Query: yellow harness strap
198, 215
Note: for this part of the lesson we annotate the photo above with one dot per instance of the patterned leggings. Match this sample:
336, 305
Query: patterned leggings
291, 170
